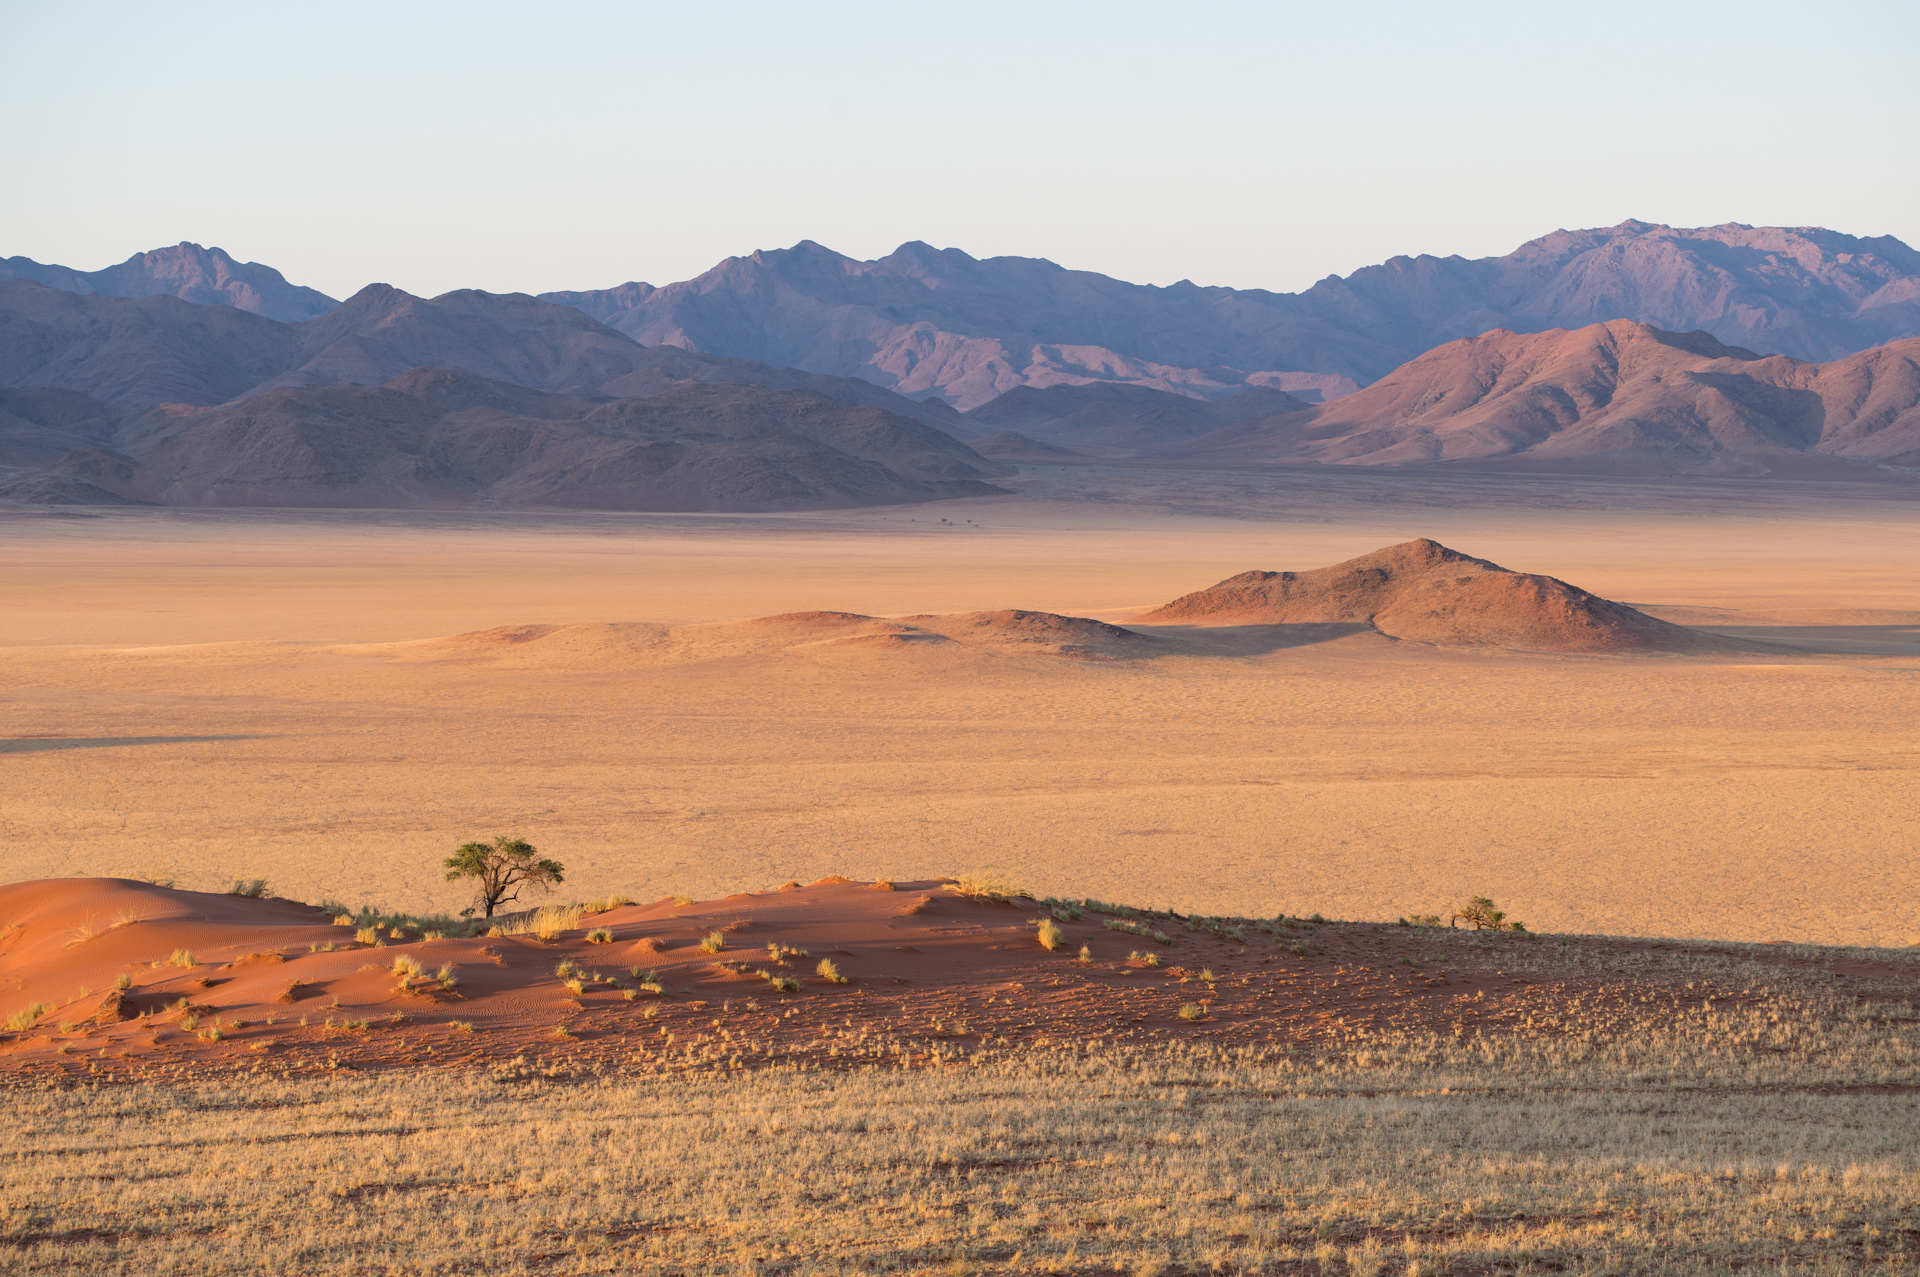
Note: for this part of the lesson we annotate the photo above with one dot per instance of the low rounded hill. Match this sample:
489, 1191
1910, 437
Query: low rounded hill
1423, 592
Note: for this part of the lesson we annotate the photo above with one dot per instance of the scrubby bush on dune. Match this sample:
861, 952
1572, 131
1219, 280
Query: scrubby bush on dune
1480, 914
1051, 936
500, 869
990, 883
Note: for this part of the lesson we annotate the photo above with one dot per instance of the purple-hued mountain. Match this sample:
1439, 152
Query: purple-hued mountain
186, 271
932, 322
467, 399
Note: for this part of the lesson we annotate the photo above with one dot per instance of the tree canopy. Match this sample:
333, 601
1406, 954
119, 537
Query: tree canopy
500, 868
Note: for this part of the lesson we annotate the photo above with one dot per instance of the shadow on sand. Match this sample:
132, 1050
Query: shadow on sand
1252, 640
1828, 640
42, 744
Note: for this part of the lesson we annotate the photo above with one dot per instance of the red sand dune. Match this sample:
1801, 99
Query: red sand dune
1422, 591
931, 977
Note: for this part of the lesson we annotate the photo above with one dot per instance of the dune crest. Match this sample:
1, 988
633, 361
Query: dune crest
1424, 592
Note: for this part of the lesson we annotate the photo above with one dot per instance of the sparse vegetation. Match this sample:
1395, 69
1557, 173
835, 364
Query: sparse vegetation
1086, 955
1192, 1011
830, 972
252, 888
1051, 936
180, 958
713, 942
1134, 928
990, 883
367, 935
26, 1017
501, 869
600, 935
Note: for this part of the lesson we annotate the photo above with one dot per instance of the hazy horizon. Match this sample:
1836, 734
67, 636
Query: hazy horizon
1256, 147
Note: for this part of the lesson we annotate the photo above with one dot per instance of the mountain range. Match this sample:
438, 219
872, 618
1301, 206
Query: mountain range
937, 323
156, 396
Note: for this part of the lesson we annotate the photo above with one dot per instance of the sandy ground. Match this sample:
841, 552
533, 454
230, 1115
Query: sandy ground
127, 978
212, 692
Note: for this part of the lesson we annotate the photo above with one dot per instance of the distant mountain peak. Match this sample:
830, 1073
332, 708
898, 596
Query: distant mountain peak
205, 276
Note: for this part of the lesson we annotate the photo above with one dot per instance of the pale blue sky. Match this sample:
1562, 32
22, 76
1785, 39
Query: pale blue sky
436, 146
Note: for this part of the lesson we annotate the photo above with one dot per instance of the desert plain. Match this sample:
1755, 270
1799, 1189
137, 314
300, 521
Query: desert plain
287, 695
728, 727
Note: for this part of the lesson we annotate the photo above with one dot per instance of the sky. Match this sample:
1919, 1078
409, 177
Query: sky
578, 145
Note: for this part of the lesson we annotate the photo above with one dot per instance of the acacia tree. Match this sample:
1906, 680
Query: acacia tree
1480, 914
500, 868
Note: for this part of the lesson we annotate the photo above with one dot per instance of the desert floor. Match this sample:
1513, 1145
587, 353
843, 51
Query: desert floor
273, 694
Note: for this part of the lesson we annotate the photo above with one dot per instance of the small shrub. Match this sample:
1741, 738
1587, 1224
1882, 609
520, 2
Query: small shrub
461, 1026
213, 1034
25, 1017
126, 917
1086, 955
406, 967
1421, 920
1153, 959
712, 942
578, 985
1206, 973
1193, 1011
784, 983
1051, 936
631, 995
123, 981
189, 1022
1139, 929
367, 935
181, 958
829, 972
682, 901
447, 976
600, 935
253, 889
343, 920
990, 882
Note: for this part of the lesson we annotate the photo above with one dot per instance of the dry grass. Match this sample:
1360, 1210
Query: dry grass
1717, 1142
990, 882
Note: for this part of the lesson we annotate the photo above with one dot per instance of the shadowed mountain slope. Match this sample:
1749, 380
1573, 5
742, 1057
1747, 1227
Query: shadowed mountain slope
1114, 419
1423, 592
137, 354
189, 272
1617, 397
442, 438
